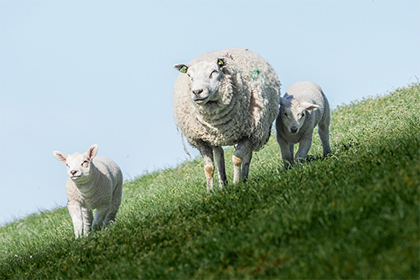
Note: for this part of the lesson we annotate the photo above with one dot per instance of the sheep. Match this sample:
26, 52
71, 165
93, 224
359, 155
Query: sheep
92, 183
303, 106
224, 98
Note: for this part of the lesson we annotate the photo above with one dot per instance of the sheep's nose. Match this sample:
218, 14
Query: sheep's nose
197, 91
293, 129
73, 172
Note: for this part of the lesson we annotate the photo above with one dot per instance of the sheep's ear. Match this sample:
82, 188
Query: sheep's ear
221, 62
60, 156
283, 101
93, 150
181, 68
309, 106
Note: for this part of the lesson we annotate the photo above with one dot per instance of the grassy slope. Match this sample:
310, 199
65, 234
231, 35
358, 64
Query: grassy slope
353, 215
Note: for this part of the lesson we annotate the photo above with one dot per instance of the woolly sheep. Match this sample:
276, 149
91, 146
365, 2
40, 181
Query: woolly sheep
93, 183
303, 107
222, 98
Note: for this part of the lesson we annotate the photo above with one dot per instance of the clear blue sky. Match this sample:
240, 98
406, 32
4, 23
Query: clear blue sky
75, 73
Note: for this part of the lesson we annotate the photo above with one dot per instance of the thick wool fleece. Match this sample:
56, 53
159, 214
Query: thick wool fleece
249, 102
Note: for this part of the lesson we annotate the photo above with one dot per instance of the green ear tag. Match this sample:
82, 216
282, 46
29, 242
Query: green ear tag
183, 69
220, 62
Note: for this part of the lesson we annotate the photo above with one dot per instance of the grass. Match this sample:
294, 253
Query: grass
351, 215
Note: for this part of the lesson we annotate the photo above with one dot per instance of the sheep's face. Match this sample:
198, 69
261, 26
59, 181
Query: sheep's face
205, 80
79, 164
78, 167
294, 114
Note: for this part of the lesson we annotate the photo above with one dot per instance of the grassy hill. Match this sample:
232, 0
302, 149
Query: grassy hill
352, 215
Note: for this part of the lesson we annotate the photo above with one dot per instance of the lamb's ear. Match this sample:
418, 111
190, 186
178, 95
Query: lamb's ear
181, 68
283, 101
93, 150
309, 106
221, 62
60, 156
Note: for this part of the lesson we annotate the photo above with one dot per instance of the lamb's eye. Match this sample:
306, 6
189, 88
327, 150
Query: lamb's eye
85, 163
191, 79
67, 165
303, 114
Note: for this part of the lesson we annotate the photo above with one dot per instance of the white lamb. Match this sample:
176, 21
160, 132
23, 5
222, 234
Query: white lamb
227, 97
93, 183
303, 107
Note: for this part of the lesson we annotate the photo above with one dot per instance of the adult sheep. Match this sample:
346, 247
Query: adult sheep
303, 107
92, 183
224, 98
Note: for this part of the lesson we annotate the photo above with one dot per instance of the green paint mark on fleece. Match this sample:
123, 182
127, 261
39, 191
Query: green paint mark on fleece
254, 74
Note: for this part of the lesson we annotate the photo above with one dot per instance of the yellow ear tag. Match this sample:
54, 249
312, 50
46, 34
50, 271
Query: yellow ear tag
183, 69
220, 62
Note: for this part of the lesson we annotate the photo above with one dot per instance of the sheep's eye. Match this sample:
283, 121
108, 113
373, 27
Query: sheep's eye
67, 165
211, 74
190, 77
303, 114
85, 163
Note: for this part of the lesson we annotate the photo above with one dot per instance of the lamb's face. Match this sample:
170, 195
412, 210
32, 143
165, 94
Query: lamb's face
294, 113
293, 117
78, 167
205, 80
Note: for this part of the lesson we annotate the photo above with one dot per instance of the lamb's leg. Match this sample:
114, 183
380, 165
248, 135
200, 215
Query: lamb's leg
241, 155
324, 135
100, 215
76, 217
87, 217
304, 147
115, 203
220, 161
286, 151
207, 153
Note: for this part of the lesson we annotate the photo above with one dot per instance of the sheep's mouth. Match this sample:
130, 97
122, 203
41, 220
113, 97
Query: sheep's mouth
201, 100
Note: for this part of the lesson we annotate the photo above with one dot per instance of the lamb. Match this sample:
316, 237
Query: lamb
93, 183
223, 98
303, 107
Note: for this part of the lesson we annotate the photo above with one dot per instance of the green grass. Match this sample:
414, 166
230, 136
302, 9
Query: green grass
352, 215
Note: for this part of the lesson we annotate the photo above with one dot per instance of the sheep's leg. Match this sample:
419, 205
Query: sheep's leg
286, 151
324, 128
242, 154
291, 152
115, 204
100, 215
237, 164
245, 165
76, 217
324, 135
87, 217
304, 147
220, 161
207, 153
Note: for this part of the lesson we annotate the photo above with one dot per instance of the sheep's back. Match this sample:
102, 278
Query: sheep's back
108, 168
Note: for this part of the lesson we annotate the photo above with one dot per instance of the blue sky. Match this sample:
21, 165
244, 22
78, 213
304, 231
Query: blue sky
75, 73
